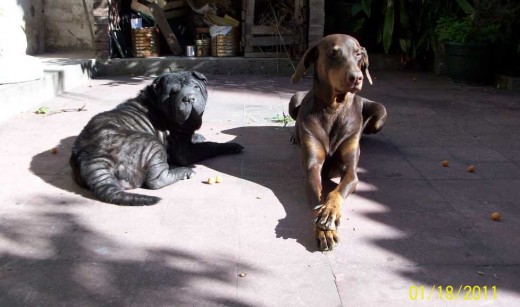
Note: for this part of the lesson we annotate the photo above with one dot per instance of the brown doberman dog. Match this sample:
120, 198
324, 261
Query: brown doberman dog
329, 121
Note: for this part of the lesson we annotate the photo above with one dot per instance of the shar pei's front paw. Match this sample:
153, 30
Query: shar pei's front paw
326, 240
184, 173
232, 148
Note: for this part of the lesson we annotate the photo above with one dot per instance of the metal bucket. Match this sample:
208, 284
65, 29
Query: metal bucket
190, 50
203, 47
225, 45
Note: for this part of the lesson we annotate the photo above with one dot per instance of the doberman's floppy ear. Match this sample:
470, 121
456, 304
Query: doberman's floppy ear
309, 57
363, 64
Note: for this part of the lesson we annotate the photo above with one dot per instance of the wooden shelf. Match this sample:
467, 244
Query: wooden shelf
261, 40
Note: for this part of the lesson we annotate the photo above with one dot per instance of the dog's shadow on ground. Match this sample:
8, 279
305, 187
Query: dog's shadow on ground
52, 166
269, 159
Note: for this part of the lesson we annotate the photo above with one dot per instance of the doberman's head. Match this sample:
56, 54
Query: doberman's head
339, 63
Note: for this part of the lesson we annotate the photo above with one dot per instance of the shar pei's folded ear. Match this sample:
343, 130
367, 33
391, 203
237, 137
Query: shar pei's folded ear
166, 84
308, 58
199, 76
202, 82
363, 64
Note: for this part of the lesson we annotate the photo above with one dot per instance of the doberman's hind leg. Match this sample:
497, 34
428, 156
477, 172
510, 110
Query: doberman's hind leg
294, 108
374, 116
295, 102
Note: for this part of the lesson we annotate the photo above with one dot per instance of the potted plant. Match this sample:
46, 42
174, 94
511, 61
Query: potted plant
467, 42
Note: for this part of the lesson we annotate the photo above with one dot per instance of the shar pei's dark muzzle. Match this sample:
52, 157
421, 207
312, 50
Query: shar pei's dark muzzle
146, 141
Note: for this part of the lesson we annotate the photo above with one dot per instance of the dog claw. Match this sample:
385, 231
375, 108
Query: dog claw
331, 225
323, 220
327, 219
323, 246
317, 207
326, 240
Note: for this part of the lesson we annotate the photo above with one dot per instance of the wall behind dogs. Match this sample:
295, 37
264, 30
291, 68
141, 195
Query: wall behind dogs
35, 26
21, 27
68, 25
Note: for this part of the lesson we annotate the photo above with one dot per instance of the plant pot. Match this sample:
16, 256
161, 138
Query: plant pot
468, 63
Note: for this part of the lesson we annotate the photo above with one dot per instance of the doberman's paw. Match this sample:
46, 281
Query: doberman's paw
327, 217
326, 240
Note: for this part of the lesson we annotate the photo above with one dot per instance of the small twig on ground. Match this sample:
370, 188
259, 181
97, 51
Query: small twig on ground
69, 110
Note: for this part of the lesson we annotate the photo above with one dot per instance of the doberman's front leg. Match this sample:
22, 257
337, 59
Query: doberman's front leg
313, 157
328, 215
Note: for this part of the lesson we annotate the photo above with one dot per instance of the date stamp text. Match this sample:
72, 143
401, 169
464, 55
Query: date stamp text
452, 293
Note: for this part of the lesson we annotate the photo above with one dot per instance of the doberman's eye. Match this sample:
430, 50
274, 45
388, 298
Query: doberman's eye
335, 52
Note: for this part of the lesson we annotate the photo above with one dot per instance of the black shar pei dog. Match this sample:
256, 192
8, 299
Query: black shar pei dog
146, 141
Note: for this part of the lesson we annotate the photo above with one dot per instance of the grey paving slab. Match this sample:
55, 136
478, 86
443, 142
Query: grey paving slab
248, 241
42, 283
497, 285
296, 285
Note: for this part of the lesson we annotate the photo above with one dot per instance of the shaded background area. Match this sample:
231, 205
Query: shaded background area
411, 222
408, 28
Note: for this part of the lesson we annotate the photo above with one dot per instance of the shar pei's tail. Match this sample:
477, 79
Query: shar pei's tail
114, 194
106, 187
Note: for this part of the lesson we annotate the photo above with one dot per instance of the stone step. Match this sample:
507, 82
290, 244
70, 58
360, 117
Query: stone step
62, 72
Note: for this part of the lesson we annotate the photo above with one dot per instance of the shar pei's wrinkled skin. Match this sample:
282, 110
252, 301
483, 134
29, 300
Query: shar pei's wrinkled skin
147, 141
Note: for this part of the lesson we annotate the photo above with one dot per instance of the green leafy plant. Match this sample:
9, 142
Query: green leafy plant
482, 21
365, 7
282, 119
429, 13
466, 30
396, 26
411, 27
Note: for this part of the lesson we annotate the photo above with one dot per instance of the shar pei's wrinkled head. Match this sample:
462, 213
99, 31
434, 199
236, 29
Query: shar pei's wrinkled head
180, 95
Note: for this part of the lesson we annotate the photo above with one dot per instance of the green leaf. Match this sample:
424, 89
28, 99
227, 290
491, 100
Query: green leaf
356, 8
403, 15
388, 28
358, 25
405, 44
466, 7
42, 110
366, 4
282, 119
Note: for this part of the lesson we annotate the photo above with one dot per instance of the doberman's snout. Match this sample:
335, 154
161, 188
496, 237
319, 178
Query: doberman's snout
355, 76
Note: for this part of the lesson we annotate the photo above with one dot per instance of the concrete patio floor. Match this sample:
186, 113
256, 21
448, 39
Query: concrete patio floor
412, 223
